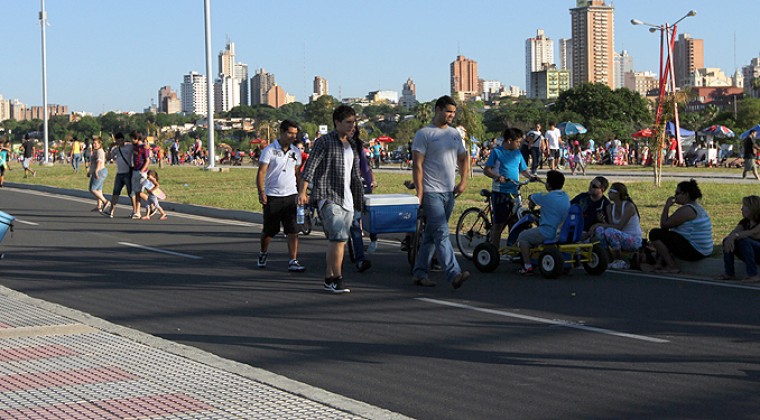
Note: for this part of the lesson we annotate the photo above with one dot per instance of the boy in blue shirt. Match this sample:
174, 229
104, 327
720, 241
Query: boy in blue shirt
504, 166
554, 206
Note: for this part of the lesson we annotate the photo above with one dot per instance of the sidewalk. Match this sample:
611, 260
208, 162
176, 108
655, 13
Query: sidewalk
60, 363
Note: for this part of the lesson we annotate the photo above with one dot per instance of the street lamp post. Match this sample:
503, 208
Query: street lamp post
43, 24
667, 73
209, 87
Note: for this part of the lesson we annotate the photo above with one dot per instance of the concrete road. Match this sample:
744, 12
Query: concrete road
503, 346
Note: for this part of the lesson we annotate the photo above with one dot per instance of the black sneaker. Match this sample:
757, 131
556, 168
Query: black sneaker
293, 265
262, 263
363, 265
335, 285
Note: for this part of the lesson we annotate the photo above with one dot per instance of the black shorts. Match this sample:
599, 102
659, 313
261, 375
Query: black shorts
501, 206
280, 210
676, 244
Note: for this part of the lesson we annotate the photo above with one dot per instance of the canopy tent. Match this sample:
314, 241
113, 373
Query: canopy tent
746, 133
647, 132
385, 139
670, 129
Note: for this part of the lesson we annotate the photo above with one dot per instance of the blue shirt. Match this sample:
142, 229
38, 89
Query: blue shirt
554, 207
509, 164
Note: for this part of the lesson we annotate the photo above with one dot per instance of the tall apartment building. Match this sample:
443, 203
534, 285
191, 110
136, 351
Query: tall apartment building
277, 97
261, 82
566, 56
193, 90
240, 73
593, 40
226, 93
752, 71
227, 60
688, 56
491, 89
320, 88
464, 78
549, 82
623, 65
231, 86
641, 81
5, 109
538, 52
168, 101
408, 94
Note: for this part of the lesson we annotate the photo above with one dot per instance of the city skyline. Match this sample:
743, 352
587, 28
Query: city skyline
103, 55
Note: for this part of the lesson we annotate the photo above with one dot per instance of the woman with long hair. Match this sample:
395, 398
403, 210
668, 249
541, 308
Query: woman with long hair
623, 232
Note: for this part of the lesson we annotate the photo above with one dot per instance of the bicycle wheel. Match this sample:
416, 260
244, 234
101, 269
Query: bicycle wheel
306, 226
415, 242
473, 228
350, 245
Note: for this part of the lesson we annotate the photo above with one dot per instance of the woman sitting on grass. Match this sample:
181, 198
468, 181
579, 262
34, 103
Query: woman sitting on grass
686, 234
623, 233
744, 242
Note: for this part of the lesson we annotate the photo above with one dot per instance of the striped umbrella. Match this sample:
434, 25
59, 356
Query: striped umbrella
720, 131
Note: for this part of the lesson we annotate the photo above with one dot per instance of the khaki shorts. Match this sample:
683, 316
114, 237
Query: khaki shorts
533, 237
749, 164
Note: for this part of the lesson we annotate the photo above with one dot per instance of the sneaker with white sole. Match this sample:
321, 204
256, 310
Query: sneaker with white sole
372, 247
294, 266
335, 285
262, 263
619, 265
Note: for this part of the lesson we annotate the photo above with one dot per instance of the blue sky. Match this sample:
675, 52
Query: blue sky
114, 55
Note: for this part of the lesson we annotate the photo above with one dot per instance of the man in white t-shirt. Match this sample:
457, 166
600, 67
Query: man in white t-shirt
553, 140
277, 181
536, 145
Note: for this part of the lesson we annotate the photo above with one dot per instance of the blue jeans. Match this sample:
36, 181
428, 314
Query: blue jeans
437, 208
76, 159
747, 250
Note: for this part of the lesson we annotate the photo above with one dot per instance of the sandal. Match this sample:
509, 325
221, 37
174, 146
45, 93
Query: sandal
164, 217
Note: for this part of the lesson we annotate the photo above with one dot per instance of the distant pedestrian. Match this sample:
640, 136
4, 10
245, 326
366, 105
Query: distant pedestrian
97, 174
151, 194
277, 182
750, 154
5, 159
141, 161
438, 150
174, 152
536, 142
333, 172
554, 141
28, 150
122, 154
75, 154
376, 152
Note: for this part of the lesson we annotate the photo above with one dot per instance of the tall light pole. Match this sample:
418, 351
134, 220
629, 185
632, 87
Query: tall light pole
667, 73
43, 24
209, 87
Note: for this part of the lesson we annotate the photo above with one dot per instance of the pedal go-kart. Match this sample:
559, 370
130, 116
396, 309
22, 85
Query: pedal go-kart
553, 257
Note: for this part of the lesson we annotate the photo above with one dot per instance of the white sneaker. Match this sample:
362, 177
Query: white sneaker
620, 265
372, 247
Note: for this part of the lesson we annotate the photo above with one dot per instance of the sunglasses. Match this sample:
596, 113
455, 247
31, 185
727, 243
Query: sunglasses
595, 186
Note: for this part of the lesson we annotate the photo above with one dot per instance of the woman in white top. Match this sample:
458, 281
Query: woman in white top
623, 233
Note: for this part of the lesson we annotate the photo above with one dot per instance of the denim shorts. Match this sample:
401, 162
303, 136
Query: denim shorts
121, 181
97, 184
336, 221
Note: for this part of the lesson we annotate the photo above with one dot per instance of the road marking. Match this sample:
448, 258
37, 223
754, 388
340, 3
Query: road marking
557, 322
163, 251
716, 283
27, 223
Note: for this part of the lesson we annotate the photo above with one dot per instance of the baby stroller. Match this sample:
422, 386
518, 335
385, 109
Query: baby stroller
6, 224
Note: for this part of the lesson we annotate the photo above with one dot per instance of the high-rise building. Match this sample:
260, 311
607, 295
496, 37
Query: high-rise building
750, 72
18, 110
641, 82
566, 56
231, 86
167, 98
623, 65
548, 83
261, 82
277, 97
226, 93
593, 42
464, 78
688, 56
193, 91
408, 94
241, 75
538, 51
491, 89
227, 60
5, 109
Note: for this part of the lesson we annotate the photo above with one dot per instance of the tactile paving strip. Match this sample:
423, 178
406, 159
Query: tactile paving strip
101, 375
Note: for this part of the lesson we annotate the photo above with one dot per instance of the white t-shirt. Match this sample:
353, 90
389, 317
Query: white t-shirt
536, 137
441, 147
348, 167
281, 173
553, 136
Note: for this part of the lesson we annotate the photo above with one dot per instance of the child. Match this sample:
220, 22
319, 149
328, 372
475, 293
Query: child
151, 195
577, 159
554, 205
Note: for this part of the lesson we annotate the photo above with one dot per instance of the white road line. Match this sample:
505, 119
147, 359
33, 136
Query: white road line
27, 223
163, 251
557, 322
716, 283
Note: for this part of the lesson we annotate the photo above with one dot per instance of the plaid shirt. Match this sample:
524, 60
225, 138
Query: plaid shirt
324, 172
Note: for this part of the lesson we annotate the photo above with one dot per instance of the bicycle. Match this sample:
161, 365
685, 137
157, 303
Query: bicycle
475, 224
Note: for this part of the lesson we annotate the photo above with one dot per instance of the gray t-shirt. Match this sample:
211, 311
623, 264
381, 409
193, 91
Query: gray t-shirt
123, 157
441, 146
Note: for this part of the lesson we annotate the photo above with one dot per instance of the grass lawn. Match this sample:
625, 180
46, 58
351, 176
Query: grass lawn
236, 189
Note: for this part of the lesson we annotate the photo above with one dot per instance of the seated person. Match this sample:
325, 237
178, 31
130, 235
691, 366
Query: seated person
623, 231
593, 204
686, 234
744, 242
554, 205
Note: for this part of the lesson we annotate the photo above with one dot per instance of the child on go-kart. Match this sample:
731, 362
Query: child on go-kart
554, 205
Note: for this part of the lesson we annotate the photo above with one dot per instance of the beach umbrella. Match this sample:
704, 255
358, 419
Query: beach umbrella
746, 133
647, 132
258, 141
569, 128
385, 139
719, 131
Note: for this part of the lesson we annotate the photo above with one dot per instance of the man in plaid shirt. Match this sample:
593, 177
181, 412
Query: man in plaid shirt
333, 171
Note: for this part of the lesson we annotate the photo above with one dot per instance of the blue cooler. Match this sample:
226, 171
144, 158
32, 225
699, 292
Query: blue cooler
390, 213
6, 223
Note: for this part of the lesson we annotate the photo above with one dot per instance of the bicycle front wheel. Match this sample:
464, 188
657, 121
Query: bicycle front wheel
473, 228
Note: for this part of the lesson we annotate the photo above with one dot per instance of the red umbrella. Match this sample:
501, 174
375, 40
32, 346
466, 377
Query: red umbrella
258, 141
647, 132
385, 139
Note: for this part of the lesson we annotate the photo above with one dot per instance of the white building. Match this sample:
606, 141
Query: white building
5, 109
491, 89
408, 94
538, 51
566, 56
390, 96
226, 93
710, 77
193, 92
623, 64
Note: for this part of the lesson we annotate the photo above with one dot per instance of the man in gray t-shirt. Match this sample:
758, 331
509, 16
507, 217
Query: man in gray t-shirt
437, 150
122, 154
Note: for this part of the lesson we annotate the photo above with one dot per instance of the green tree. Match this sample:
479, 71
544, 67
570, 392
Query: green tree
320, 111
747, 114
294, 111
86, 127
472, 120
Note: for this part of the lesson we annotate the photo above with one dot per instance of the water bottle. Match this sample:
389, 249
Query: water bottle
300, 215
